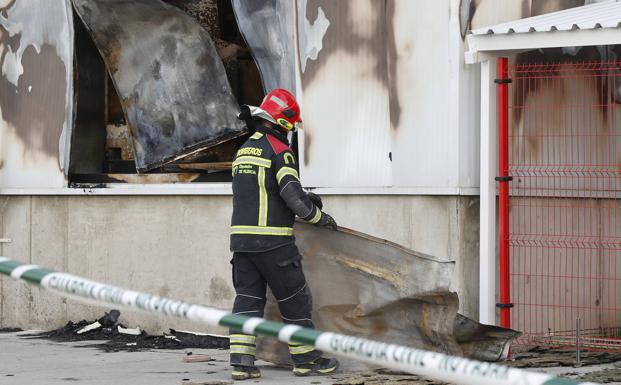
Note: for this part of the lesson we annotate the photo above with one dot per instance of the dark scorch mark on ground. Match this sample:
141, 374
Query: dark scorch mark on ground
10, 330
116, 341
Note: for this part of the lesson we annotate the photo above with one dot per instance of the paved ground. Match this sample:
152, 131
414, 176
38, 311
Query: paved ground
39, 361
43, 362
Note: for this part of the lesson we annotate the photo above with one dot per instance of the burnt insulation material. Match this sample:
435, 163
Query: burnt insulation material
116, 341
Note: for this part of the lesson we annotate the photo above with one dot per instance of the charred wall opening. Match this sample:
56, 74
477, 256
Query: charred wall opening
89, 136
102, 148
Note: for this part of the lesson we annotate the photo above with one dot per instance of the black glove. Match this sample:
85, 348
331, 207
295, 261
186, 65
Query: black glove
244, 113
316, 199
327, 221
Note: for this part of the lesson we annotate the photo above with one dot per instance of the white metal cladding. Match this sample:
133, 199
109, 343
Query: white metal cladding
606, 14
422, 111
424, 142
344, 94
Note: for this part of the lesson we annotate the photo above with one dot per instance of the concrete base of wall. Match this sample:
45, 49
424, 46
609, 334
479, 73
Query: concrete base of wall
177, 246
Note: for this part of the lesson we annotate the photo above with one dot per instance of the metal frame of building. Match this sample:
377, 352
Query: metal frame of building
589, 25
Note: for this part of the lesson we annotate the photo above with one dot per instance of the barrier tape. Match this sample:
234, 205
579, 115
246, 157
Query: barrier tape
436, 366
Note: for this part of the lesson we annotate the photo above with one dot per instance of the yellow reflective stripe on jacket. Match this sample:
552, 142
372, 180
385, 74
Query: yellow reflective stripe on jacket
257, 161
256, 135
315, 217
243, 349
301, 349
262, 198
289, 157
262, 230
242, 339
287, 171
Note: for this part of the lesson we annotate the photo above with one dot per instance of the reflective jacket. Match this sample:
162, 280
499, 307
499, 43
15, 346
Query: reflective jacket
267, 194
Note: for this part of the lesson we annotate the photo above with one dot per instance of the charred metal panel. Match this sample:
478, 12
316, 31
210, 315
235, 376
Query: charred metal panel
483, 342
370, 287
36, 92
267, 27
170, 79
345, 97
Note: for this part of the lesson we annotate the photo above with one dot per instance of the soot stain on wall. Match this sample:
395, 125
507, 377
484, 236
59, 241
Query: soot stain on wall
393, 80
36, 107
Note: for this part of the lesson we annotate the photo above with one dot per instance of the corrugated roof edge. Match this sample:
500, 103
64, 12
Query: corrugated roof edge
606, 14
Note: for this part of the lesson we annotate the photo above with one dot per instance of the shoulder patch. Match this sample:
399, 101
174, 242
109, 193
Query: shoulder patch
277, 145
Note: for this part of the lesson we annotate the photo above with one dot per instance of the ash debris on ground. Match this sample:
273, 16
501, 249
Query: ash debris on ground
539, 357
11, 330
602, 376
384, 377
533, 359
120, 338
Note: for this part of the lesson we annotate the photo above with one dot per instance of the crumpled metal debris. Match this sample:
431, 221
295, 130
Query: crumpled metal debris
171, 81
369, 287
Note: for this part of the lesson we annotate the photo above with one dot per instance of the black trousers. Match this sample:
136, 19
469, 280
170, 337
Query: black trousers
281, 270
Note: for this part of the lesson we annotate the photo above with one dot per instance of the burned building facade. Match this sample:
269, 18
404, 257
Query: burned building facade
118, 127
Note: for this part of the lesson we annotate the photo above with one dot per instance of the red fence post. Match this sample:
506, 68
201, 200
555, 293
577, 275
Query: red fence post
503, 191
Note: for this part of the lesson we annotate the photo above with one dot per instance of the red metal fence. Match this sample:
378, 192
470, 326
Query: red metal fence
564, 236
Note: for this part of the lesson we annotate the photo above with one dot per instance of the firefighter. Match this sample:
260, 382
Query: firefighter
267, 195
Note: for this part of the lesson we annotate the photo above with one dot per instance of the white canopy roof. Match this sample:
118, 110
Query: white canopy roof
593, 24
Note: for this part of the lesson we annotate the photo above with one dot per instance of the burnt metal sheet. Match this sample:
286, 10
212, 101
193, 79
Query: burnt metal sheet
267, 27
483, 342
373, 288
36, 92
170, 79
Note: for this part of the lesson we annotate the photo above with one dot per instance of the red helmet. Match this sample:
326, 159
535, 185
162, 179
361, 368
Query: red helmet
281, 106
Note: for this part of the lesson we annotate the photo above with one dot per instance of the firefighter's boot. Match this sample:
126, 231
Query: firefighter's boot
245, 372
319, 366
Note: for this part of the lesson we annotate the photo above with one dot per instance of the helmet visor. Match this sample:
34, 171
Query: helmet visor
261, 113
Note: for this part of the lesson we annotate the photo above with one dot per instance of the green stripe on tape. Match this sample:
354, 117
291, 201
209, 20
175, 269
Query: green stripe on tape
8, 266
36, 275
235, 321
269, 328
307, 336
304, 335
560, 381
